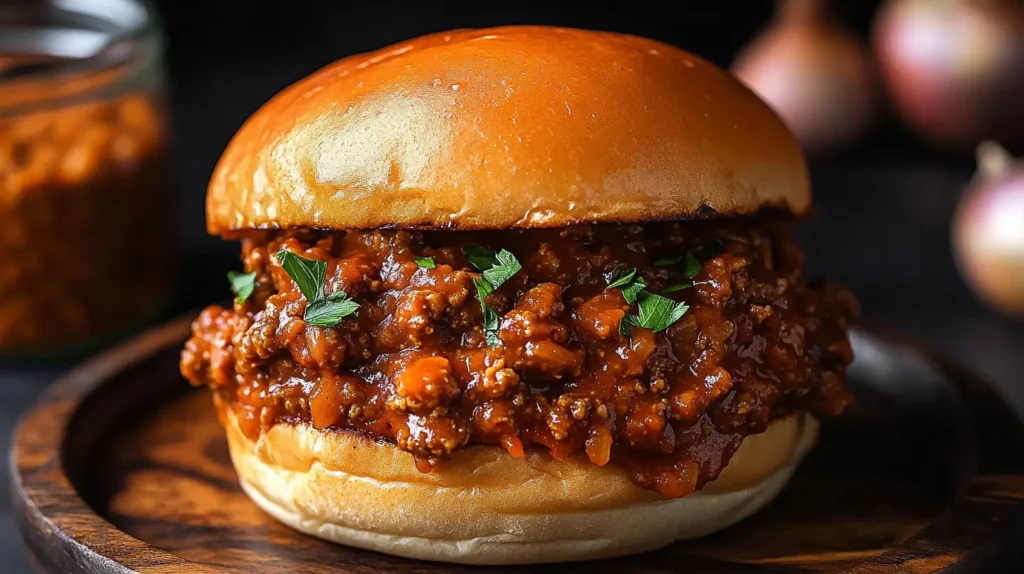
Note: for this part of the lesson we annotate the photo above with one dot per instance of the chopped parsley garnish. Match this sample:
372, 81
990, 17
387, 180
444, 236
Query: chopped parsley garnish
480, 257
691, 266
689, 263
668, 260
632, 291
674, 288
653, 312
495, 270
656, 313
624, 327
311, 275
330, 311
491, 323
620, 277
425, 262
308, 274
242, 285
503, 269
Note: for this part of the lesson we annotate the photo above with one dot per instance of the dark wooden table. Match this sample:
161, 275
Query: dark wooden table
883, 231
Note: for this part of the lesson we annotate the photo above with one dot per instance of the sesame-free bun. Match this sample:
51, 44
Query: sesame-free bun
485, 507
509, 127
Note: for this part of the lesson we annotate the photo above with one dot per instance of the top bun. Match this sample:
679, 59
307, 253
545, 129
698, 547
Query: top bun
512, 127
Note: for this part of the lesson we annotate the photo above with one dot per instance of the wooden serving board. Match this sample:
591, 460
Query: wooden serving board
122, 467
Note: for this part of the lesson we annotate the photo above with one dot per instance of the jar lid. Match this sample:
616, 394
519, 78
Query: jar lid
53, 50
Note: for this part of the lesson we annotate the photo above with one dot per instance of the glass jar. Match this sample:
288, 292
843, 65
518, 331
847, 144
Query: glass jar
86, 226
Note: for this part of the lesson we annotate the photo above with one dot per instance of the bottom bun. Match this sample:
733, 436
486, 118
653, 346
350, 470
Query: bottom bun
486, 507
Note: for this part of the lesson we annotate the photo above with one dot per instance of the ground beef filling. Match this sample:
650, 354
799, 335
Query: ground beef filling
413, 365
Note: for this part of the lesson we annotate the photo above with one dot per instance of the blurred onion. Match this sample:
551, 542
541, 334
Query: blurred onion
988, 230
816, 75
955, 68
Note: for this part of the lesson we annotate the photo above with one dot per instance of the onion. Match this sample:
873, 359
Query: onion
817, 76
955, 68
988, 230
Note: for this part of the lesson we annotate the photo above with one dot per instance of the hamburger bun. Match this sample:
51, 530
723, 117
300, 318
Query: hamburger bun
513, 127
504, 128
486, 507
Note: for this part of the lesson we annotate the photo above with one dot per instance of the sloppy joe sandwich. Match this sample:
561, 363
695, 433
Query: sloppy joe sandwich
517, 295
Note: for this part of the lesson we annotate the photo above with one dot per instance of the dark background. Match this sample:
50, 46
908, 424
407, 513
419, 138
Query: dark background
226, 58
885, 204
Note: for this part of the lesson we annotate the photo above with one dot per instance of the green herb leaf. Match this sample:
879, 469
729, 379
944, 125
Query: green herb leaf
632, 291
624, 329
338, 296
496, 269
308, 274
483, 289
330, 311
693, 265
425, 262
691, 260
242, 285
657, 313
620, 277
674, 288
505, 266
491, 327
668, 260
483, 258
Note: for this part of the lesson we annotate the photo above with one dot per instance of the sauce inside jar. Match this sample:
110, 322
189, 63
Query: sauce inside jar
86, 245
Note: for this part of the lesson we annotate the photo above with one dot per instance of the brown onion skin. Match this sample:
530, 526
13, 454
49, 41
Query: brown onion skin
988, 231
954, 69
815, 74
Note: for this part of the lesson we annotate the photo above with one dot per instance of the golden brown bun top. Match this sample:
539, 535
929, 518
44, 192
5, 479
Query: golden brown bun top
520, 126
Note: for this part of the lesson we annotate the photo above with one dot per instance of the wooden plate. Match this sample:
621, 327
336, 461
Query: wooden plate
122, 467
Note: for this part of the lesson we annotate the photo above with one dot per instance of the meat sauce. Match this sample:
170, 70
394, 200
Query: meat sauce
413, 366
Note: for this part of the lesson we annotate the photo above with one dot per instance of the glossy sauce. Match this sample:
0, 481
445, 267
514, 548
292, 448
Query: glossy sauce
413, 366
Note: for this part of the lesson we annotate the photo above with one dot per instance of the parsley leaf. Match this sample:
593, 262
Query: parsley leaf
491, 327
632, 291
425, 262
624, 327
481, 257
504, 268
630, 283
674, 288
632, 287
619, 277
330, 311
308, 274
483, 289
668, 260
657, 313
495, 270
693, 265
654, 312
242, 285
